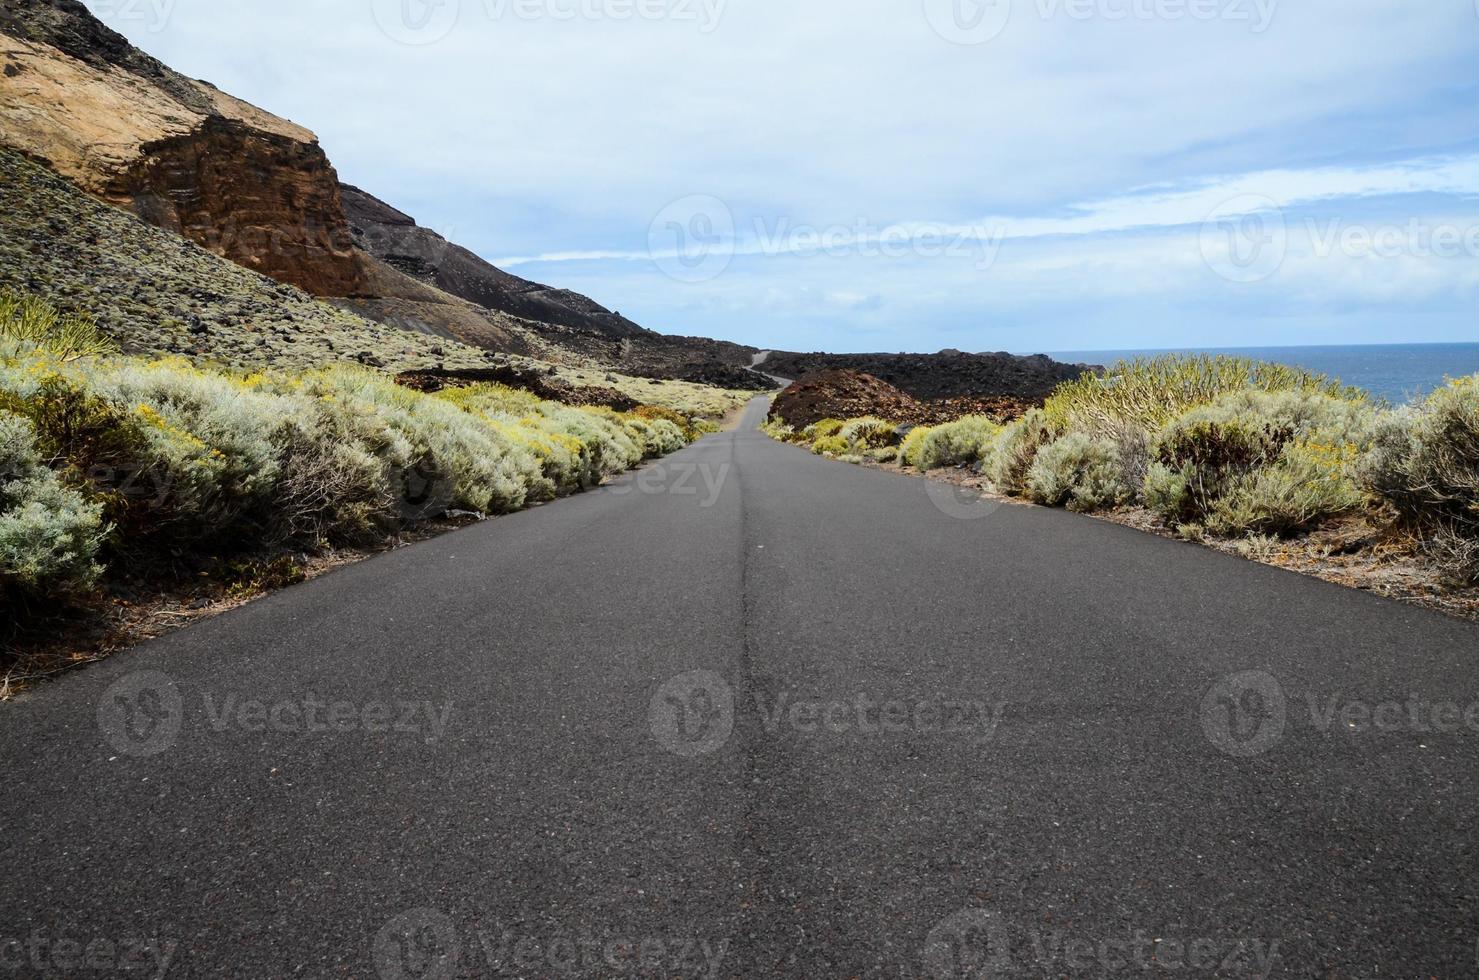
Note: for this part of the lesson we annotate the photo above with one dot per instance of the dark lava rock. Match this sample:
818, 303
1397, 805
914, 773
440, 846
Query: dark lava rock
850, 394
534, 382
948, 374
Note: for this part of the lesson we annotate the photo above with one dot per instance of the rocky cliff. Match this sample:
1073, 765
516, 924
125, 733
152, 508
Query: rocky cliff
180, 154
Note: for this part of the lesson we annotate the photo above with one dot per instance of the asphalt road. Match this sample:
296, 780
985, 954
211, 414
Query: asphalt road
753, 713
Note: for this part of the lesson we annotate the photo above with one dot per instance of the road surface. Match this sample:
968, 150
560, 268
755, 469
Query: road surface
753, 713
758, 361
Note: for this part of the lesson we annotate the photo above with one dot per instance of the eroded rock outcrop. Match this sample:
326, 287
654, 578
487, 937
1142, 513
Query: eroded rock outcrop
179, 153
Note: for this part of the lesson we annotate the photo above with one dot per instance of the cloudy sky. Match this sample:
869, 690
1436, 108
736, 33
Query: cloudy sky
1026, 175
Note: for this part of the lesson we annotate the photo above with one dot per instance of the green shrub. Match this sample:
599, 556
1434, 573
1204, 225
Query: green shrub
913, 441
1426, 463
31, 322
1150, 393
656, 413
822, 429
830, 445
333, 487
1078, 472
963, 442
49, 535
1307, 485
884, 454
780, 431
1016, 448
216, 441
439, 457
866, 433
665, 437
1258, 462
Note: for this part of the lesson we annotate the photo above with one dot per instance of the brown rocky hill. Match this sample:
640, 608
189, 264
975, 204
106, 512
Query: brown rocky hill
259, 190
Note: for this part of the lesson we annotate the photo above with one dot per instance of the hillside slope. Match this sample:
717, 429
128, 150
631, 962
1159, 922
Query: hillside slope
157, 293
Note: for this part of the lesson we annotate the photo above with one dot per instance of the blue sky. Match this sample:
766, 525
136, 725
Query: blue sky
1026, 175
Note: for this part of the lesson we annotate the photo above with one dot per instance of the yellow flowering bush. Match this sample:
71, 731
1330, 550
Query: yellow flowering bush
913, 441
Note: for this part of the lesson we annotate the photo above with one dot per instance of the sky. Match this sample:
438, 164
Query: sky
890, 175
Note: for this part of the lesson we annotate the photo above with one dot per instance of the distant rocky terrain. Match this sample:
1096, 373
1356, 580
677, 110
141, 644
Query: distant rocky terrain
839, 394
948, 374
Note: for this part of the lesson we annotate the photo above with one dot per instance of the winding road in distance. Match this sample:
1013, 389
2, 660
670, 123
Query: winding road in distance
752, 713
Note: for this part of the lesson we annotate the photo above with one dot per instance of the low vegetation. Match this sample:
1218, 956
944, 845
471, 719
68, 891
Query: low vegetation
1219, 447
1425, 463
1151, 392
960, 443
108, 460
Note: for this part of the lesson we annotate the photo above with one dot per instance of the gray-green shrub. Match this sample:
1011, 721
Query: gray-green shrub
1078, 472
232, 461
1260, 462
913, 442
1016, 448
1425, 463
49, 534
964, 442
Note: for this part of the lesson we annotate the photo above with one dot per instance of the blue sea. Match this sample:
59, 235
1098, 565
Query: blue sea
1397, 372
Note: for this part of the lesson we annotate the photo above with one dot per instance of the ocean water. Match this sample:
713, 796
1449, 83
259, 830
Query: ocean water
1397, 372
